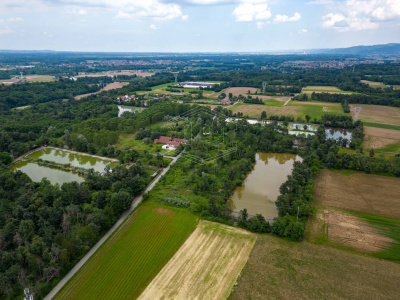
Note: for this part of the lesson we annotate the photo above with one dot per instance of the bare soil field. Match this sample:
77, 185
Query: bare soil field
281, 269
350, 231
236, 91
110, 74
254, 111
364, 193
378, 114
111, 86
376, 138
206, 266
323, 89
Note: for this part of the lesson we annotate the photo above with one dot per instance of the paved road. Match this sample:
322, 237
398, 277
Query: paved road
135, 203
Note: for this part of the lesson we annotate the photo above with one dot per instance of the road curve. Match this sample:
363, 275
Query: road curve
135, 203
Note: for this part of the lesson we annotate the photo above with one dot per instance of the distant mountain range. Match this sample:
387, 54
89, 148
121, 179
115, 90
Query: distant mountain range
386, 49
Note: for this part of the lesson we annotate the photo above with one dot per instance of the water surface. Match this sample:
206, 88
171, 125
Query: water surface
124, 108
76, 160
37, 173
261, 187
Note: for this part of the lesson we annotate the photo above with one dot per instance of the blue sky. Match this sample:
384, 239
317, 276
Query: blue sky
196, 25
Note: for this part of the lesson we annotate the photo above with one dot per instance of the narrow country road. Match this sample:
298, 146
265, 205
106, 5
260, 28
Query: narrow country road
135, 203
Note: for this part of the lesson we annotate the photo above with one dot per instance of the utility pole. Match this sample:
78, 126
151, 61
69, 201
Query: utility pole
264, 85
176, 76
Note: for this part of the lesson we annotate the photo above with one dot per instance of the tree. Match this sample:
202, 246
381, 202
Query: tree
5, 158
263, 115
371, 153
308, 118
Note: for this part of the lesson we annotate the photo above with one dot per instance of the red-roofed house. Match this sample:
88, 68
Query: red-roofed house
170, 142
225, 101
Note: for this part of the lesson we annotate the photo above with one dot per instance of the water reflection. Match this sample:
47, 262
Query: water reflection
76, 160
37, 173
123, 108
261, 187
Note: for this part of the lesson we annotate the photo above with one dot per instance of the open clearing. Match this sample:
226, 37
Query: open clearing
364, 193
324, 89
133, 255
236, 91
377, 114
40, 78
349, 230
294, 108
110, 86
374, 84
206, 266
281, 269
385, 139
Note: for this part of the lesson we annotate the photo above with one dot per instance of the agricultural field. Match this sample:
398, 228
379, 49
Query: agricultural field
110, 86
384, 141
324, 89
236, 91
370, 194
133, 255
161, 89
374, 84
282, 269
40, 78
377, 115
293, 108
206, 266
368, 220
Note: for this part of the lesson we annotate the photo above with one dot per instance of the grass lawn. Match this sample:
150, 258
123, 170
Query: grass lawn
133, 255
384, 126
273, 103
282, 269
162, 87
325, 89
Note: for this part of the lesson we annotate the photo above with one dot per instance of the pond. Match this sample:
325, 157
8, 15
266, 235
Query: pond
299, 128
37, 173
261, 187
76, 160
124, 108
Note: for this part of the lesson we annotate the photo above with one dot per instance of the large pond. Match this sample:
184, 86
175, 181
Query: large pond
124, 108
37, 173
76, 160
261, 187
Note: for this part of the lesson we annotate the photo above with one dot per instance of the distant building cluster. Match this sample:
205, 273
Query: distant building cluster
16, 79
126, 98
170, 143
196, 85
332, 64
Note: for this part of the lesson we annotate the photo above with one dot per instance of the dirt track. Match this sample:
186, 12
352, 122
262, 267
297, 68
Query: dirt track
111, 86
205, 267
369, 194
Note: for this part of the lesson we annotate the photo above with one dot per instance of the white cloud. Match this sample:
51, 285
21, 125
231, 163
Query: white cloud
185, 18
78, 12
1, 21
134, 9
250, 10
17, 19
284, 18
6, 30
302, 31
153, 27
359, 14
45, 33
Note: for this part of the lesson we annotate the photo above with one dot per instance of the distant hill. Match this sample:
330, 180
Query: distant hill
386, 49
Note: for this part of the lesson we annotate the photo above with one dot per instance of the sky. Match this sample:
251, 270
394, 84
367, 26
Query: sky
196, 25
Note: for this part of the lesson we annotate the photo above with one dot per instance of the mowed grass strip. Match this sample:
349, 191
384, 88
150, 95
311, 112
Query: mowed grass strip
282, 269
206, 266
132, 257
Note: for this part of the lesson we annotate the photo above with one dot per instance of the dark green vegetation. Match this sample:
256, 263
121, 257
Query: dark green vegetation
311, 271
384, 126
32, 93
133, 255
46, 229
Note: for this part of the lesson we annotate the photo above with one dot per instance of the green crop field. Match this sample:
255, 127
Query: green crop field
325, 89
273, 102
133, 255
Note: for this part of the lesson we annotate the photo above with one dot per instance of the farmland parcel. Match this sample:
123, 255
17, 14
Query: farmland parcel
206, 266
132, 257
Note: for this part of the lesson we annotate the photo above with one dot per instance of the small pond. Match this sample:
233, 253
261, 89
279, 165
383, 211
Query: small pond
124, 108
261, 187
37, 173
76, 160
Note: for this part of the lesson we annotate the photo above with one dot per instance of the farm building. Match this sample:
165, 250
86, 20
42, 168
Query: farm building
197, 85
170, 142
225, 101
